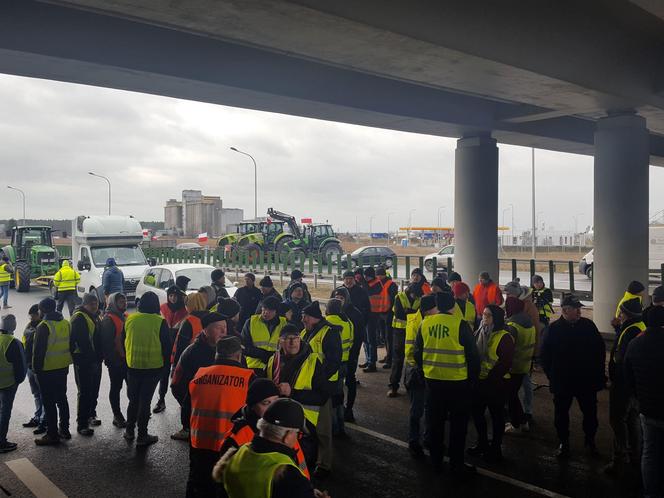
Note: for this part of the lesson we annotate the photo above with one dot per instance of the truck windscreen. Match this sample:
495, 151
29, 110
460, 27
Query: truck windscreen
124, 256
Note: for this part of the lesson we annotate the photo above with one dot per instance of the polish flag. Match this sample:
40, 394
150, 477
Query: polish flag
203, 237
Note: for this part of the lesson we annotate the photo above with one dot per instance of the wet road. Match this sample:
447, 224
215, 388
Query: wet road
372, 463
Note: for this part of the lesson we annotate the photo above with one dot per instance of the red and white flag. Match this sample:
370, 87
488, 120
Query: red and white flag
203, 237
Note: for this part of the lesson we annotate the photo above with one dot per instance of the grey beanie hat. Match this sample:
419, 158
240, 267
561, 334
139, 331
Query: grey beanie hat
8, 323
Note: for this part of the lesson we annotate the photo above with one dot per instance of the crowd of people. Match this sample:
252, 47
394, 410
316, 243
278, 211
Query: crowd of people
266, 381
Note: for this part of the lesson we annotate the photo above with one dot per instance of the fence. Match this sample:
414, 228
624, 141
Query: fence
331, 270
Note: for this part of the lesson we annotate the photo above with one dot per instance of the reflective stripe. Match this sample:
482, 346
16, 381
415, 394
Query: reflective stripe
410, 342
443, 364
57, 349
316, 343
347, 333
142, 341
487, 363
5, 276
443, 356
199, 412
443, 351
413, 324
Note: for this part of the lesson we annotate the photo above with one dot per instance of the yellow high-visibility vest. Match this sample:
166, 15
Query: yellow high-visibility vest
524, 348
142, 341
262, 339
488, 363
443, 356
58, 354
347, 334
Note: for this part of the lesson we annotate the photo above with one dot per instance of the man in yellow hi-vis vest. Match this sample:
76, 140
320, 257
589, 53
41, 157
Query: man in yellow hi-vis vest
445, 350
325, 341
51, 357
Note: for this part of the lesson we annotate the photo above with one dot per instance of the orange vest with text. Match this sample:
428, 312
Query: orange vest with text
217, 392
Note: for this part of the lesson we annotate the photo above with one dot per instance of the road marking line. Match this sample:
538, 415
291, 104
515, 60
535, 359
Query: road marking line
40, 485
480, 470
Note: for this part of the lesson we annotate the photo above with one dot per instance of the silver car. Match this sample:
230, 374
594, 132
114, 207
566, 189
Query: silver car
441, 258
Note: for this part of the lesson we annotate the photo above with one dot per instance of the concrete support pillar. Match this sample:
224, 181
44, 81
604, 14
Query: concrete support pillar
476, 207
620, 211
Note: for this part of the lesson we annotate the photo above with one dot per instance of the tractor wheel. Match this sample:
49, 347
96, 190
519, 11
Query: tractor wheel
279, 246
331, 252
22, 276
253, 253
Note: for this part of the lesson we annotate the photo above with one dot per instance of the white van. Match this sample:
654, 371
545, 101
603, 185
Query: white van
655, 252
97, 238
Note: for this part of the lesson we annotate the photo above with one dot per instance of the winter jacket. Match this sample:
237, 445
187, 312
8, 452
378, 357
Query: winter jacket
172, 317
487, 294
248, 297
219, 290
355, 316
184, 336
197, 355
112, 280
360, 299
80, 338
644, 370
29, 342
628, 331
287, 291
573, 357
108, 341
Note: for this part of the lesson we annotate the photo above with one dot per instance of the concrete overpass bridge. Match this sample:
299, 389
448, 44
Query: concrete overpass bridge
582, 77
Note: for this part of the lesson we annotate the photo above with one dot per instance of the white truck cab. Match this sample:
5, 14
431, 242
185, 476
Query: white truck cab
97, 238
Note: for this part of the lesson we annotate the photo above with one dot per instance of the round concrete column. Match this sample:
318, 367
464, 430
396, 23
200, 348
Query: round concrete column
620, 211
476, 207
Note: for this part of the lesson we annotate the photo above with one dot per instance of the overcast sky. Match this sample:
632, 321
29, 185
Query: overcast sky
154, 147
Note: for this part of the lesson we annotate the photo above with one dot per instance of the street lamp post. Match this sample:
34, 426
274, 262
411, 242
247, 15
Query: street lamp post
532, 165
109, 188
23, 196
388, 226
410, 218
371, 225
255, 179
441, 208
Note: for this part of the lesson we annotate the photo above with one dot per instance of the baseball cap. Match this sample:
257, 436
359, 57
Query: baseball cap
287, 413
571, 300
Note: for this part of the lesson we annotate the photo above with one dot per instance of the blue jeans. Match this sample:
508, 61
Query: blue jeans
652, 459
40, 413
6, 405
4, 293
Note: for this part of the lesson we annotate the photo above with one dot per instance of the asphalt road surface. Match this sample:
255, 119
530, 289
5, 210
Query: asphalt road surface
373, 462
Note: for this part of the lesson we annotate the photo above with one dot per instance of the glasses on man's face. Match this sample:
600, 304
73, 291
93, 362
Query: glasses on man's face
291, 338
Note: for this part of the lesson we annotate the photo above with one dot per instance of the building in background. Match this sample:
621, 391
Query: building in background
197, 213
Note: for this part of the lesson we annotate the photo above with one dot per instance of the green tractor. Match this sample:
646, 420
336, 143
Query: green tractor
230, 240
270, 237
317, 238
32, 255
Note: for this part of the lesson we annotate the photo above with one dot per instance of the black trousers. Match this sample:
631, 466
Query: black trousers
68, 296
200, 483
164, 381
141, 385
398, 356
84, 376
351, 380
118, 376
53, 386
491, 397
385, 326
447, 400
587, 401
514, 405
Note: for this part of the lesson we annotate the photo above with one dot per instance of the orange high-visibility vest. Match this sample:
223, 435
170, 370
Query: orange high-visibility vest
243, 435
119, 325
196, 328
380, 302
217, 393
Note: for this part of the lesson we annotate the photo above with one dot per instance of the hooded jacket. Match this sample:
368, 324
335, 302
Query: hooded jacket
112, 279
173, 313
108, 343
248, 297
197, 355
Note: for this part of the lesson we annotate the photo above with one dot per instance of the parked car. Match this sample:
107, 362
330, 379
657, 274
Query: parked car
441, 258
160, 277
371, 255
189, 246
